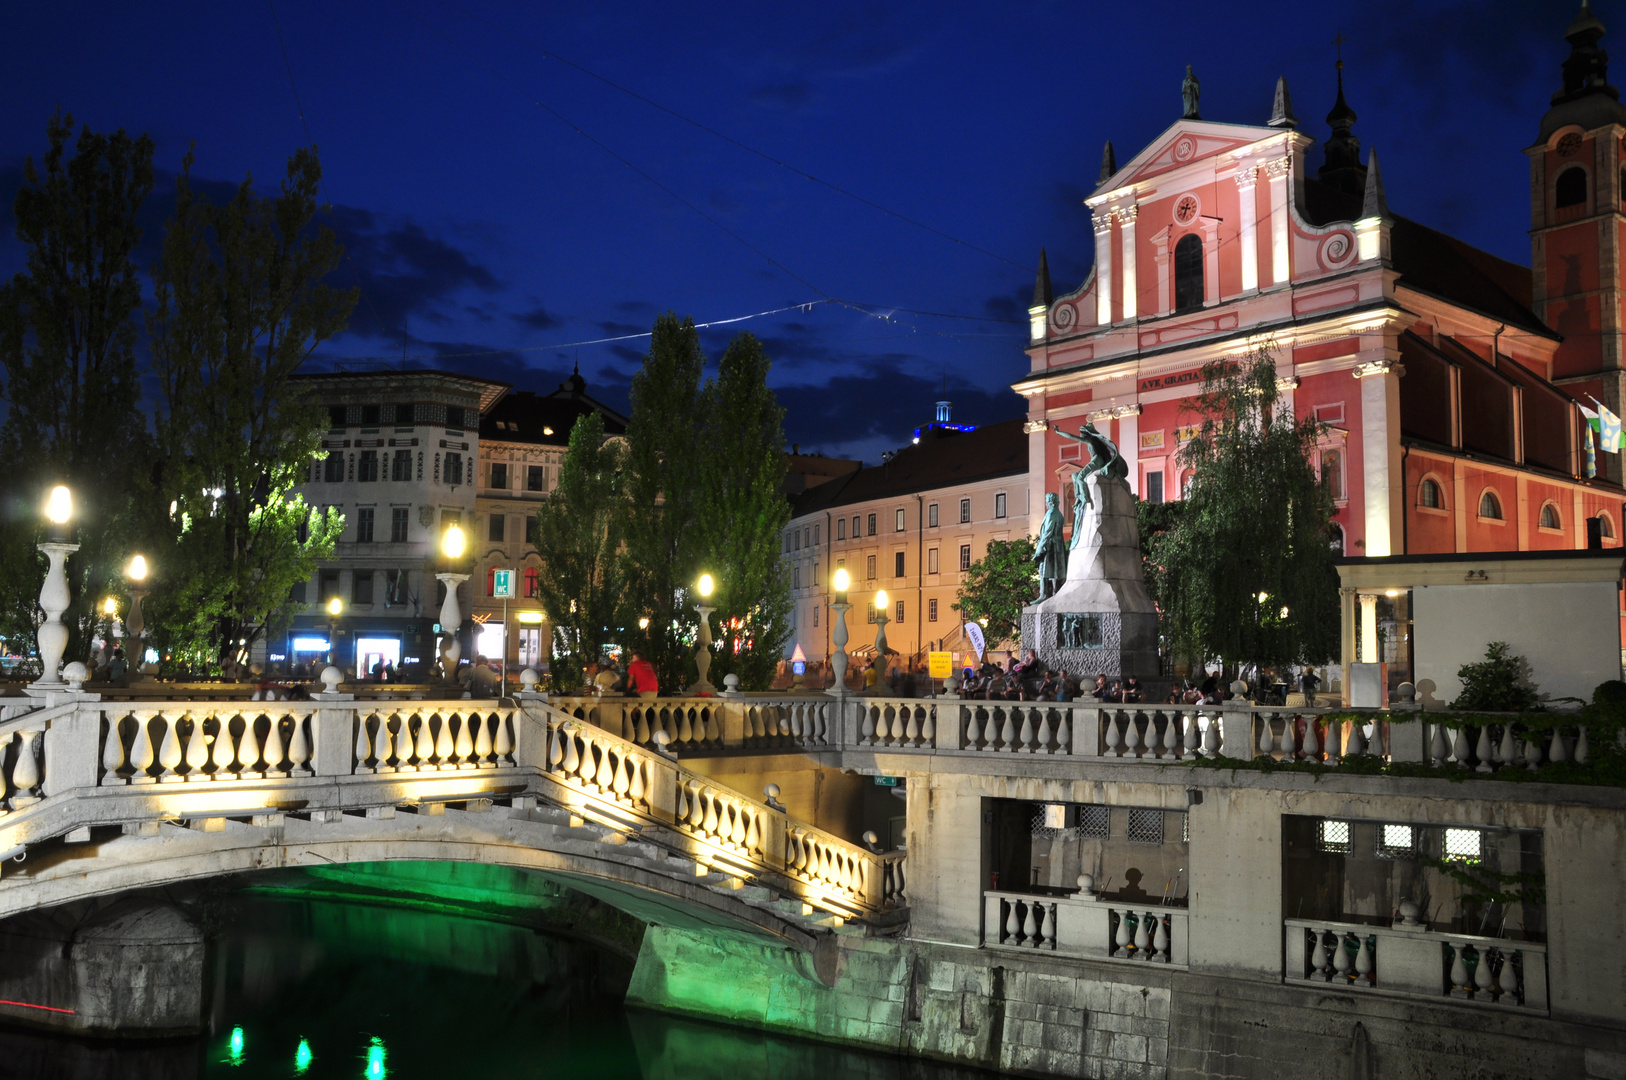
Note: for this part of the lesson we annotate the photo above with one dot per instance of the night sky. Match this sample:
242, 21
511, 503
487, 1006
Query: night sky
500, 204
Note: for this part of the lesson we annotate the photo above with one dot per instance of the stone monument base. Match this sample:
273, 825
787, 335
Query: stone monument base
1114, 644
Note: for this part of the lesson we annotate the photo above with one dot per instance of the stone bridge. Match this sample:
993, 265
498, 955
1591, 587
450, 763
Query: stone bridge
99, 797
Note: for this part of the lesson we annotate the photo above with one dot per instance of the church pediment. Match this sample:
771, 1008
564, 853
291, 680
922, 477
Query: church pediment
1186, 142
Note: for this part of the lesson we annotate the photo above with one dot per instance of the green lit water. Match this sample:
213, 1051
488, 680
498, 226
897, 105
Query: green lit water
323, 988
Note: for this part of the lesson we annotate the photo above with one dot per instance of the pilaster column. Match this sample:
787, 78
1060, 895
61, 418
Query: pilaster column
1249, 234
1278, 173
1369, 629
1103, 268
1347, 629
1126, 228
1160, 256
1384, 486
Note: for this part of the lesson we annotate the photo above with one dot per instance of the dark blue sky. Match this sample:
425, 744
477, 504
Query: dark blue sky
500, 233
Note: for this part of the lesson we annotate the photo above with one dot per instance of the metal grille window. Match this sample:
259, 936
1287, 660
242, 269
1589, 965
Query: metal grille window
1333, 836
1185, 828
1145, 826
1396, 841
1464, 845
1094, 821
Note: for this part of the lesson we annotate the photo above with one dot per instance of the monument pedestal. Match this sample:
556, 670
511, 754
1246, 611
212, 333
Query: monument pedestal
1101, 621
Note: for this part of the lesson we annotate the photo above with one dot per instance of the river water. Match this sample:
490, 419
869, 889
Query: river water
323, 988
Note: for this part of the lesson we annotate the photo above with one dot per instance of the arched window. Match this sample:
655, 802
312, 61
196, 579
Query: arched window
1332, 472
1550, 518
1430, 495
1188, 273
1490, 506
1570, 188
1606, 528
1335, 538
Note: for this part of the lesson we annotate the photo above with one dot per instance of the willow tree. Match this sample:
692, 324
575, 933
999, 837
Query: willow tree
581, 582
1245, 572
240, 302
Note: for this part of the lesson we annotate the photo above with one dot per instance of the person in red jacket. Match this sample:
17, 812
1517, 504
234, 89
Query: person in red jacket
641, 677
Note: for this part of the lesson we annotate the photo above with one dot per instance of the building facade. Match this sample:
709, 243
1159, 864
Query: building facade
910, 526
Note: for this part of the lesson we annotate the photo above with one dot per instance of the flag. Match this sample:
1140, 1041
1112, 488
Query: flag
1591, 452
1608, 428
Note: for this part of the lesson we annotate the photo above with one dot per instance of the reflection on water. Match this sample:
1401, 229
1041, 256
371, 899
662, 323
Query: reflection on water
318, 988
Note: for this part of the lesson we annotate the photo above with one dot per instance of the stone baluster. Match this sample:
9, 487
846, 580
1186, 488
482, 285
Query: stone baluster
1356, 745
424, 751
364, 744
1013, 921
928, 726
382, 744
1143, 936
1340, 957
404, 747
169, 749
1507, 751
1124, 936
1460, 986
1042, 735
568, 761
1484, 750
866, 731
1192, 735
1532, 751
272, 749
1007, 730
248, 749
1025, 738
463, 743
197, 750
606, 776
1160, 941
141, 752
1064, 730
1031, 925
685, 726
1582, 751
1211, 737
445, 747
25, 771
1320, 967
224, 751
1335, 743
911, 730
113, 752
1364, 961
973, 729
1171, 736
1508, 981
1483, 983
1114, 736
1436, 744
1312, 738
299, 746
1556, 750
482, 740
1459, 747
1132, 739
1289, 744
640, 726
1267, 740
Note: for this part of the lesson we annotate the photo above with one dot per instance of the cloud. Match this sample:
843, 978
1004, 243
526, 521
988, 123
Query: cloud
403, 271
538, 318
1010, 307
615, 329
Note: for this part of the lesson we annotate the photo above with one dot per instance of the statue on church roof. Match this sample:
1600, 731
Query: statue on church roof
1190, 91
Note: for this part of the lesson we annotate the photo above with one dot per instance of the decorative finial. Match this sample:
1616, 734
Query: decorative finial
1042, 294
1190, 91
1109, 163
1281, 112
1373, 204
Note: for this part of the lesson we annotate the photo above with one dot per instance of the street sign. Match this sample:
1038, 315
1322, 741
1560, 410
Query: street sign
504, 585
940, 665
886, 781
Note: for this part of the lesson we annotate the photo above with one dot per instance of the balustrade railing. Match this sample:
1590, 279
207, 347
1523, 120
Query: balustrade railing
1102, 929
184, 742
442, 739
1418, 962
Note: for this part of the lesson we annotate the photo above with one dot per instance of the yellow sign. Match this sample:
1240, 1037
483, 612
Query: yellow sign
1151, 440
940, 665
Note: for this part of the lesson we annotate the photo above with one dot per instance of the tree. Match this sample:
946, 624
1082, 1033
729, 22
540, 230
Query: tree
1245, 571
664, 444
741, 468
581, 581
239, 304
67, 348
998, 586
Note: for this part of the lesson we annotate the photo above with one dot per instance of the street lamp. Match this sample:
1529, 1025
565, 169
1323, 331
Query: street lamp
880, 640
702, 655
335, 608
452, 545
838, 633
134, 623
54, 596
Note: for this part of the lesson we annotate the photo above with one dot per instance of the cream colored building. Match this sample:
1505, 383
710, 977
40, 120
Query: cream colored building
910, 526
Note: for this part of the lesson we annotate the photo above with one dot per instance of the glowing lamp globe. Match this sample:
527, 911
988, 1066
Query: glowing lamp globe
841, 580
110, 606
335, 606
706, 585
452, 544
880, 600
59, 506
138, 568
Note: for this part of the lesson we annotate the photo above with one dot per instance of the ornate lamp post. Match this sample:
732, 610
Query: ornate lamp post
838, 633
335, 608
54, 595
451, 616
702, 655
880, 640
134, 624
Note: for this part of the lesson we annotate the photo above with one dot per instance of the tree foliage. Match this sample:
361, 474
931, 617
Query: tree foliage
68, 350
1244, 572
239, 304
998, 586
581, 582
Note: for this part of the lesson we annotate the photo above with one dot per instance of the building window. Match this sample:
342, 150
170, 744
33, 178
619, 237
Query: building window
533, 581
327, 586
1188, 273
1332, 472
398, 524
364, 525
815, 617
395, 587
401, 466
1397, 841
965, 557
871, 610
931, 516
530, 529
1549, 517
815, 579
1430, 494
841, 528
1490, 507
796, 539
454, 469
336, 417
367, 466
499, 476
856, 532
931, 560
1570, 188
370, 415
871, 523
1606, 528
403, 414
999, 505
899, 618
817, 535
494, 531
897, 564
869, 569
1335, 538
900, 521
931, 610
535, 478
454, 416
965, 511
1145, 827
361, 587
1464, 845
1333, 835
333, 468
796, 577
1154, 487
297, 593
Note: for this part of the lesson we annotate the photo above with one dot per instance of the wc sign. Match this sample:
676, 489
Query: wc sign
503, 585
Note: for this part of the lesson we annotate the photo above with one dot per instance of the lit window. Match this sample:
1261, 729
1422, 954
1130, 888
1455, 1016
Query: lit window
999, 505
900, 612
1550, 518
1430, 495
841, 528
931, 516
1333, 835
900, 521
1490, 506
1465, 845
1397, 841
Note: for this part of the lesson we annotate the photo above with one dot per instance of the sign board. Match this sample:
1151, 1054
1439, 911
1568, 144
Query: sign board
973, 634
940, 665
504, 585
798, 667
1151, 440
1192, 377
886, 781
